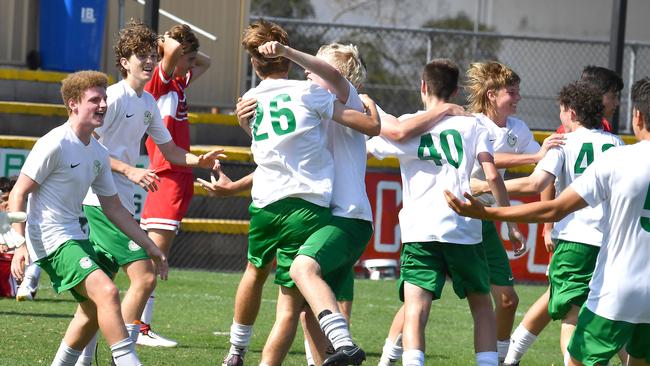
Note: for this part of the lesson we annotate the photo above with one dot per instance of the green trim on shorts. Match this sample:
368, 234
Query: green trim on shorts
596, 339
114, 249
279, 229
426, 265
497, 258
69, 265
570, 271
336, 247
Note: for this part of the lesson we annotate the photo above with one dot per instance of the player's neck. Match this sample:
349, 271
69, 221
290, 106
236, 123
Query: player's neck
431, 102
136, 85
276, 76
83, 131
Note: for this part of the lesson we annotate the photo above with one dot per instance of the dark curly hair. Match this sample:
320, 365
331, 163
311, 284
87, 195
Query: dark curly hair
604, 79
136, 39
257, 34
641, 99
585, 100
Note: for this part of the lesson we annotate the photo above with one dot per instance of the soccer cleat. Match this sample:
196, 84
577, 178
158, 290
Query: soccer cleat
234, 359
511, 364
147, 337
25, 293
346, 355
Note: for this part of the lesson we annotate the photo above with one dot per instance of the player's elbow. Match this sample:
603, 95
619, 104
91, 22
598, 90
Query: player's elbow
373, 129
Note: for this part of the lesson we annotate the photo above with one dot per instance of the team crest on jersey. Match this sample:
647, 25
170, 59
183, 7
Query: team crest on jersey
148, 118
512, 139
85, 262
133, 246
97, 166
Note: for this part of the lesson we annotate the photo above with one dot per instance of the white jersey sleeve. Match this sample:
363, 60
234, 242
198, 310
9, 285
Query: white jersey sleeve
103, 185
41, 161
483, 143
322, 101
553, 162
381, 147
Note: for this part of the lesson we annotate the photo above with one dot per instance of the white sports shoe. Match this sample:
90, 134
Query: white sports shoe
25, 293
147, 337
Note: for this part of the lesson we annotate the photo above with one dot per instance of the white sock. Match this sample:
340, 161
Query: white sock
487, 359
123, 353
502, 349
240, 335
87, 355
65, 356
336, 329
567, 358
391, 351
147, 313
308, 355
133, 330
520, 342
32, 275
413, 357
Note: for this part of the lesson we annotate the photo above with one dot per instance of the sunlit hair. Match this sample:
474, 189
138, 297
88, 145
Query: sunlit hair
485, 76
346, 59
440, 77
136, 39
75, 85
184, 35
585, 100
641, 99
257, 34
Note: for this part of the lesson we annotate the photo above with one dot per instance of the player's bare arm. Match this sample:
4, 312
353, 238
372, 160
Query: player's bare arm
532, 184
201, 64
171, 50
223, 186
120, 216
18, 202
368, 125
509, 160
245, 110
145, 178
417, 124
179, 156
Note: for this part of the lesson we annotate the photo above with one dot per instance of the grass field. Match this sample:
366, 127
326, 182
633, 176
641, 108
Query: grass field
195, 308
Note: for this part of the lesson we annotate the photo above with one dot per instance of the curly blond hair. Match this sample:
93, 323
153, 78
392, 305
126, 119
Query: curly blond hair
136, 39
346, 59
75, 85
485, 76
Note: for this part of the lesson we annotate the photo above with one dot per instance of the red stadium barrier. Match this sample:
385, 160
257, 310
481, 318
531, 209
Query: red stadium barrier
385, 194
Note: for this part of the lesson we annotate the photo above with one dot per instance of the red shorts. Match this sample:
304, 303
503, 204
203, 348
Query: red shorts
7, 281
164, 209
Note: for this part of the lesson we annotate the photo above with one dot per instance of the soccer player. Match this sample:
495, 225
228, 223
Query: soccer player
441, 242
63, 163
537, 318
615, 314
493, 94
131, 113
578, 236
181, 64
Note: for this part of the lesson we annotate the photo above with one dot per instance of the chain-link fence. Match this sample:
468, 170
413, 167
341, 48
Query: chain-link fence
395, 56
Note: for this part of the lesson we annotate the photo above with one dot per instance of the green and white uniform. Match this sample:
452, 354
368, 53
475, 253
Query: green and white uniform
579, 235
294, 174
437, 241
128, 117
338, 246
616, 312
514, 138
63, 166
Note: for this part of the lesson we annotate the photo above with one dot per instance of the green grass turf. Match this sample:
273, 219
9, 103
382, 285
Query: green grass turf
196, 309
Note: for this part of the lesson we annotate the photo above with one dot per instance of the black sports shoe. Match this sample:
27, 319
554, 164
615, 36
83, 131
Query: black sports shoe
346, 355
511, 364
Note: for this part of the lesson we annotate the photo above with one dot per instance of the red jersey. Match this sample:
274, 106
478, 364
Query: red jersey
606, 127
170, 96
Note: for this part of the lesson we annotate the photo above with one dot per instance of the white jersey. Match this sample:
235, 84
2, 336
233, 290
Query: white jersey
620, 286
514, 138
568, 162
127, 118
439, 159
289, 142
64, 168
348, 147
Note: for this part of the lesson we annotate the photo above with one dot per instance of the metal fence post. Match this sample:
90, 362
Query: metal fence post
630, 81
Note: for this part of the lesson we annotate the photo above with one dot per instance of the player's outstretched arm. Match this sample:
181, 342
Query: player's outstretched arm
508, 160
224, 186
120, 216
367, 124
532, 184
145, 178
418, 124
337, 84
179, 156
18, 203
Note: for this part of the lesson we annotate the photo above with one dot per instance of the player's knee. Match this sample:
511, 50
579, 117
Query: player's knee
257, 275
147, 281
304, 266
108, 293
509, 300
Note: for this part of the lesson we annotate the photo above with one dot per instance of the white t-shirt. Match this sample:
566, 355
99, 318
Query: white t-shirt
514, 138
289, 142
620, 287
566, 163
348, 147
440, 159
64, 168
127, 118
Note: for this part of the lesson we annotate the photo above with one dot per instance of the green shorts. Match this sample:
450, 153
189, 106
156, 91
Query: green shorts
69, 265
570, 271
279, 229
497, 258
596, 339
427, 265
114, 249
337, 247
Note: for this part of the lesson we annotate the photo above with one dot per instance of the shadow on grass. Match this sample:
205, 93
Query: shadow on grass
40, 315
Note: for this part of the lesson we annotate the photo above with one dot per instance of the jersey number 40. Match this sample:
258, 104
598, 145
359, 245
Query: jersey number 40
427, 150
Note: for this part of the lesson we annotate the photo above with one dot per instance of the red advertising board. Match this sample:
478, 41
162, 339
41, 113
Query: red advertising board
385, 194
